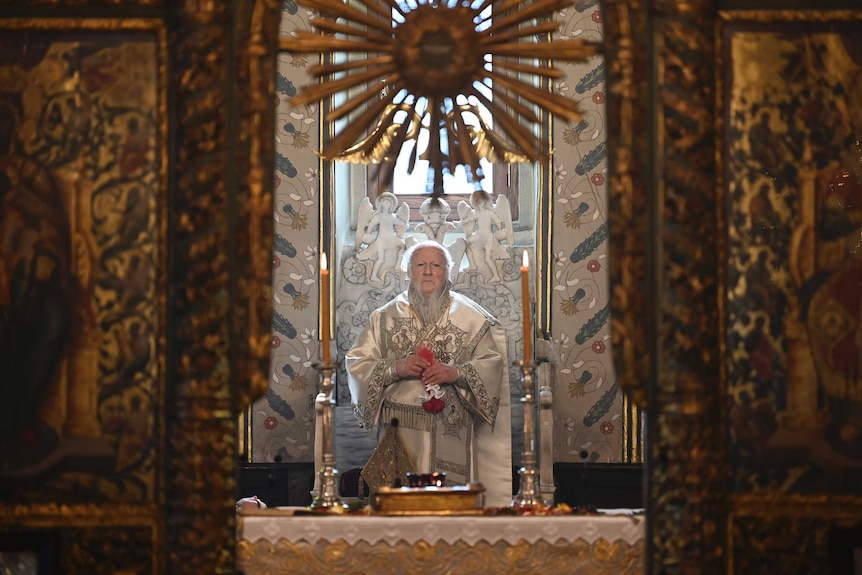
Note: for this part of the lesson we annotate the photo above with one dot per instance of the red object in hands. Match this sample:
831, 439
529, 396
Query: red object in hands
426, 353
433, 405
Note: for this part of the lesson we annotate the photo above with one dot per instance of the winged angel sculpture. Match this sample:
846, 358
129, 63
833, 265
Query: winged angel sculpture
488, 232
380, 233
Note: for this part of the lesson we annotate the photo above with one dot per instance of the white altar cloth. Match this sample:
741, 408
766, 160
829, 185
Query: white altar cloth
352, 529
275, 542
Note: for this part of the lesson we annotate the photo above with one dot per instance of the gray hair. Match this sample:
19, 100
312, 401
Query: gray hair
411, 251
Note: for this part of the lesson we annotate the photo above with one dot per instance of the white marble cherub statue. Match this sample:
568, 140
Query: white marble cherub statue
434, 213
488, 232
380, 233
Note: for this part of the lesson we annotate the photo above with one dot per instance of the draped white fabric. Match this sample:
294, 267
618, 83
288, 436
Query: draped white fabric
434, 529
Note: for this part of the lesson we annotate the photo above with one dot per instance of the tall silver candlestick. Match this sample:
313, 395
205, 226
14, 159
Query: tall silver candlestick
528, 492
328, 496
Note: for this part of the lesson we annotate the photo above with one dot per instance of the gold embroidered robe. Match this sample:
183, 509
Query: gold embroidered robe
471, 438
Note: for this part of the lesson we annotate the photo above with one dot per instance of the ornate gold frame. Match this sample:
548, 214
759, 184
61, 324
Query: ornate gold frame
669, 265
216, 80
224, 58
663, 72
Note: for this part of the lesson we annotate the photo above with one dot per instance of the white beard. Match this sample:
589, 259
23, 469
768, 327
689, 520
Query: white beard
430, 308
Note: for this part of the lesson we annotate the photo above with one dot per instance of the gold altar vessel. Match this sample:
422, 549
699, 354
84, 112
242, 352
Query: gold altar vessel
457, 500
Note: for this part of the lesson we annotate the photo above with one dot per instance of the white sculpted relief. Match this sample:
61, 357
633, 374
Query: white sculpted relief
380, 234
434, 213
488, 233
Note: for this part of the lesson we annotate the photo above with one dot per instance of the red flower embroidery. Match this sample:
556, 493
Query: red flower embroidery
270, 422
594, 266
606, 427
599, 97
276, 341
598, 179
599, 346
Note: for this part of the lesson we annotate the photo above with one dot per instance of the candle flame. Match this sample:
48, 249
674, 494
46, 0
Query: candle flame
323, 261
526, 260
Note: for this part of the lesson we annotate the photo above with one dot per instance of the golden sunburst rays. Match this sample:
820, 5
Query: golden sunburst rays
404, 69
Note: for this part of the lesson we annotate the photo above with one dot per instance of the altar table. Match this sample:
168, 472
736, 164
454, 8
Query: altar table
270, 543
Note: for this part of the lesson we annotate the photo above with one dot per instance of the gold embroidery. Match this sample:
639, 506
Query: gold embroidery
542, 557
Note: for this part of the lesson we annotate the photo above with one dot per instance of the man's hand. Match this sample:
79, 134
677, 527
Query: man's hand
412, 365
440, 374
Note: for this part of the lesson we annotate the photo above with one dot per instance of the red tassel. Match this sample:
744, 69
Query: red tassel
433, 405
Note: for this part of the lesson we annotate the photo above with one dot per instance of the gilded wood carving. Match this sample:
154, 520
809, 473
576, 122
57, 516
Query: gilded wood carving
223, 238
141, 157
712, 242
670, 268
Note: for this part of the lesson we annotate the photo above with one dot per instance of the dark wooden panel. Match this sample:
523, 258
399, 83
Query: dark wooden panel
277, 484
601, 485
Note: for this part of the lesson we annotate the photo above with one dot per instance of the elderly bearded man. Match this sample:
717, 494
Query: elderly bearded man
435, 360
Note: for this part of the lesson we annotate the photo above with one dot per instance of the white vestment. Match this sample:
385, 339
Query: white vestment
471, 438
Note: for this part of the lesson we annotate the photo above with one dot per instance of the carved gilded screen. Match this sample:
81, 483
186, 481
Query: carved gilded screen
136, 169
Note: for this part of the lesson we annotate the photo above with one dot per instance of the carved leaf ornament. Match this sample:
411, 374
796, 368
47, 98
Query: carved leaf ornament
420, 71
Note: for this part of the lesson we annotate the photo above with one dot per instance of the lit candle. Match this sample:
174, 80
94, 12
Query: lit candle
525, 296
324, 307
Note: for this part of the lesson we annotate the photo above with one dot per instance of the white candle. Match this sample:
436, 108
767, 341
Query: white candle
525, 296
324, 307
